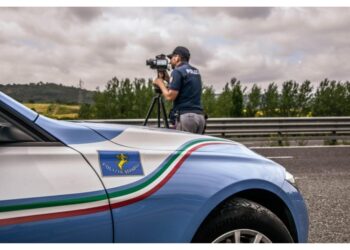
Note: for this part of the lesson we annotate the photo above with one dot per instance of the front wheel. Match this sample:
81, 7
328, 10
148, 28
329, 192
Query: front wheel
243, 221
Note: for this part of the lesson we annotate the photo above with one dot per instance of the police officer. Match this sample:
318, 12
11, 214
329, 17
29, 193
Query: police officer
185, 89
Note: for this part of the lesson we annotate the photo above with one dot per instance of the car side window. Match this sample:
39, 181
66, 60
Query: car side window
10, 133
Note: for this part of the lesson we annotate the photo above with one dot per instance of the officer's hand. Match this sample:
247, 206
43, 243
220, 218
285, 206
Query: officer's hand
161, 74
166, 76
158, 82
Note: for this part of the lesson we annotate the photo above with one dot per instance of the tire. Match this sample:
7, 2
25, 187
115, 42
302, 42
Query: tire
242, 221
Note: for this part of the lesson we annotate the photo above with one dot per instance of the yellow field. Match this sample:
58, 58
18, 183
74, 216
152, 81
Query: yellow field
53, 110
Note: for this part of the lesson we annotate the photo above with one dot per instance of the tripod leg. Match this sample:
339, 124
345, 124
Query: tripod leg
158, 111
165, 116
150, 110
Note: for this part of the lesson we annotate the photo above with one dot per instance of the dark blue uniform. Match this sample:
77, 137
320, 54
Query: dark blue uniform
187, 80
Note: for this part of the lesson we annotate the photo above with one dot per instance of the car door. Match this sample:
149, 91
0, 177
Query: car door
48, 192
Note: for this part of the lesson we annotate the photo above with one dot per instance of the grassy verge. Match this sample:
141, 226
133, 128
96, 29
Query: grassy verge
54, 110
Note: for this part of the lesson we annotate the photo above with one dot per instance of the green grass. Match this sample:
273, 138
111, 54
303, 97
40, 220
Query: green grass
54, 110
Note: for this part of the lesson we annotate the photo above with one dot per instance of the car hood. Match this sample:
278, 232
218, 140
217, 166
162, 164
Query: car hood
134, 137
141, 137
160, 139
89, 138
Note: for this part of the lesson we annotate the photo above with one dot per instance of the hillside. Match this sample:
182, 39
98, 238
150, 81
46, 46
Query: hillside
47, 93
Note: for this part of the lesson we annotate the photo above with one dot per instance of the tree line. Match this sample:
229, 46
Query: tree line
131, 99
47, 93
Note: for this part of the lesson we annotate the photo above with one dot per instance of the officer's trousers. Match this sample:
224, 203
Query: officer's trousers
191, 122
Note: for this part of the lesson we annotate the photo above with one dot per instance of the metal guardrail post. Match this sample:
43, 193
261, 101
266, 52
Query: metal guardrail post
334, 140
280, 138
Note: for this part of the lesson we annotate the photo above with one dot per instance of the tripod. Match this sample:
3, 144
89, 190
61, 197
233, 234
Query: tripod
160, 109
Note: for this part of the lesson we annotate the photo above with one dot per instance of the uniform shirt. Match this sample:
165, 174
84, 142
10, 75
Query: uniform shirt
187, 80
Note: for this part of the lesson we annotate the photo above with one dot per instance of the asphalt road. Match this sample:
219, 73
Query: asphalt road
323, 177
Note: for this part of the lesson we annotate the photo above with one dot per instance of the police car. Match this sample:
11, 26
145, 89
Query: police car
87, 182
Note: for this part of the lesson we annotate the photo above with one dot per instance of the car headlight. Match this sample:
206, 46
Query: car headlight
290, 178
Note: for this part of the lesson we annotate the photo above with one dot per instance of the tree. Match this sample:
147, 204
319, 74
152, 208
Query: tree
86, 111
254, 101
224, 103
208, 100
288, 101
106, 104
330, 99
237, 98
143, 95
125, 100
270, 101
347, 105
304, 99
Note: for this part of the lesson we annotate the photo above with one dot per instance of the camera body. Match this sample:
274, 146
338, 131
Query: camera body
160, 63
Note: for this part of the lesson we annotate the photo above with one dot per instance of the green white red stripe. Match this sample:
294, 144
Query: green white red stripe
15, 214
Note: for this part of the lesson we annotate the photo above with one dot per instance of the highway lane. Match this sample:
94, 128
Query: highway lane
323, 176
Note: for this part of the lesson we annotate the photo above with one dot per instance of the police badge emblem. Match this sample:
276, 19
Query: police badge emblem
120, 163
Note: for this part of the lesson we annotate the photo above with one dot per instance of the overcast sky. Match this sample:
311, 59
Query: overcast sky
255, 45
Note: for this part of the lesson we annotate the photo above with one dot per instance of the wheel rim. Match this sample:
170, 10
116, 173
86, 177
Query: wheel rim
242, 236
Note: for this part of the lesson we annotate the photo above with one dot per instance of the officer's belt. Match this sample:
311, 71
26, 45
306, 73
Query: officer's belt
199, 112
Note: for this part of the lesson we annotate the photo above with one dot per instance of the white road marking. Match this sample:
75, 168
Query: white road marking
280, 157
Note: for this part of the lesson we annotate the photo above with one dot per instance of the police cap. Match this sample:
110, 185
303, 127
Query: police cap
181, 51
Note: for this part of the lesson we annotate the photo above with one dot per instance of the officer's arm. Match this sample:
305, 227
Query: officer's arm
169, 94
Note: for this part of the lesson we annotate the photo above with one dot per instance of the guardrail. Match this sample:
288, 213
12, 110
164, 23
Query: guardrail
268, 129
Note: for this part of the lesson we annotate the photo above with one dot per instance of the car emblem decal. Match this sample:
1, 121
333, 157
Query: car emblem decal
120, 163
